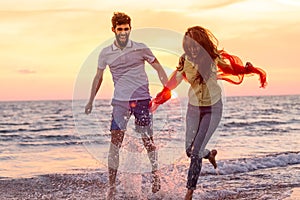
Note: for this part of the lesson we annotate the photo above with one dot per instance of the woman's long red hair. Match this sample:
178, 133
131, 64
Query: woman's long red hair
208, 44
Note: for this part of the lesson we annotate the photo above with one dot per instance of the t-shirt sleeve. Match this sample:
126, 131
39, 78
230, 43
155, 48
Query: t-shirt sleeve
148, 55
102, 60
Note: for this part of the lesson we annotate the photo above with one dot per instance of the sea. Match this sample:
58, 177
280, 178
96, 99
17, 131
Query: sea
258, 144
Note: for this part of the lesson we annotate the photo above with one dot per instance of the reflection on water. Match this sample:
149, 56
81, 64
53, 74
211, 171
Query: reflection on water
36, 161
257, 141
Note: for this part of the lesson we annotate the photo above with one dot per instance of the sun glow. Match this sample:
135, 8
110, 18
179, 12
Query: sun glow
41, 58
174, 95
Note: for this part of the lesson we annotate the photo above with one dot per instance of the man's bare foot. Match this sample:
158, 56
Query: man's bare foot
155, 182
189, 195
111, 193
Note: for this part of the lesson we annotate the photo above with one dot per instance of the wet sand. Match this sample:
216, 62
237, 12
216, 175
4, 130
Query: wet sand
93, 186
54, 186
295, 195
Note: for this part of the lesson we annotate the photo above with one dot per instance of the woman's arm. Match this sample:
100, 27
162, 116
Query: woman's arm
174, 80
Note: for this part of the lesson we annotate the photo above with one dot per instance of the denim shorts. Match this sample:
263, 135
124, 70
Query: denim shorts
122, 111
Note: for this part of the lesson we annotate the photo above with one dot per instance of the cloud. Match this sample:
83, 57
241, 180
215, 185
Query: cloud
101, 5
290, 2
200, 5
26, 71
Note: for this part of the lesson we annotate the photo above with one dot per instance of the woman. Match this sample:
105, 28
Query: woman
201, 66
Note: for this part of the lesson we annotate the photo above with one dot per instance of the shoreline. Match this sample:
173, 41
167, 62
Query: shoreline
295, 194
54, 186
93, 185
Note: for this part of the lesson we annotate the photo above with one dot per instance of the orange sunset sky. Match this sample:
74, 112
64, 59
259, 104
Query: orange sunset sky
45, 43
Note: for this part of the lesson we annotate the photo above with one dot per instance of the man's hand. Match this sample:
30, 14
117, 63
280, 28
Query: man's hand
88, 108
153, 106
160, 98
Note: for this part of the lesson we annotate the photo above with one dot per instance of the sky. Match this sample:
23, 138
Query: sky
45, 44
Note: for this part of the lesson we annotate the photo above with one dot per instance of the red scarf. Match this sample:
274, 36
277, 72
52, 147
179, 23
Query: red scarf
234, 75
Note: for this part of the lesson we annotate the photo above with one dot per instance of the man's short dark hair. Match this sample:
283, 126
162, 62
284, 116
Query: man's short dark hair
120, 18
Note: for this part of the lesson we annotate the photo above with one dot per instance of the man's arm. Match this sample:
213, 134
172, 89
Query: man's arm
163, 96
160, 71
95, 87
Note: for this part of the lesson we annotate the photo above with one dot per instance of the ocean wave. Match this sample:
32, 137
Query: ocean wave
260, 123
58, 137
54, 144
244, 165
32, 129
14, 124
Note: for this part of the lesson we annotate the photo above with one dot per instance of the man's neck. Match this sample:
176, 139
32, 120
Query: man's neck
120, 46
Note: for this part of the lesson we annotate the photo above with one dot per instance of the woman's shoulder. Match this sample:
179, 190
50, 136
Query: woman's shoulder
183, 60
181, 63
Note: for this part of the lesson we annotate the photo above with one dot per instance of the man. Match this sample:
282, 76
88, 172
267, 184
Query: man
126, 60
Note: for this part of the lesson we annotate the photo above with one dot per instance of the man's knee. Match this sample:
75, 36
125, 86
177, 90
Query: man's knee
117, 137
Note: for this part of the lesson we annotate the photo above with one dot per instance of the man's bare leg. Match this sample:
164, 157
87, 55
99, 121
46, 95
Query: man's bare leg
117, 137
152, 154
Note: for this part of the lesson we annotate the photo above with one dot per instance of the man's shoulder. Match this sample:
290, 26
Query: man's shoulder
105, 51
107, 48
138, 44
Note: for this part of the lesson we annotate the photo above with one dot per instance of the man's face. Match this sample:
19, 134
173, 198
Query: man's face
122, 33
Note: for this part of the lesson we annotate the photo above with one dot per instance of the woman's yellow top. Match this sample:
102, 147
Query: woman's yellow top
205, 93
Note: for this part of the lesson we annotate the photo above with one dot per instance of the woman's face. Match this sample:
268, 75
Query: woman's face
194, 48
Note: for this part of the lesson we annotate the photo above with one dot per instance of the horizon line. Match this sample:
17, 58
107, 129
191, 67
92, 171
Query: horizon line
86, 99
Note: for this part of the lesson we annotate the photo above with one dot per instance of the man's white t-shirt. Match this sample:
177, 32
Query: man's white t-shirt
127, 67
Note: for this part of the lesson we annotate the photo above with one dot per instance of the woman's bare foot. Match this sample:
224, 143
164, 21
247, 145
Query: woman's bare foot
212, 158
189, 195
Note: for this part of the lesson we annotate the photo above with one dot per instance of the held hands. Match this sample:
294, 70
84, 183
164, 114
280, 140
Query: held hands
160, 98
153, 106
